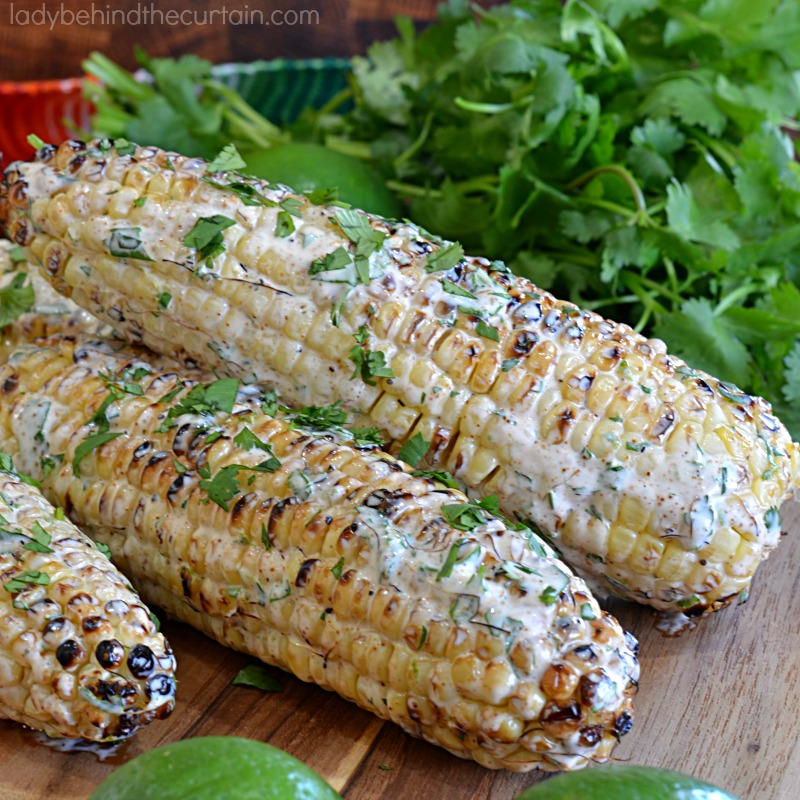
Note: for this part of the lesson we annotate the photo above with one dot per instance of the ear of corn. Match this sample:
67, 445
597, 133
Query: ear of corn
51, 312
325, 559
654, 479
80, 656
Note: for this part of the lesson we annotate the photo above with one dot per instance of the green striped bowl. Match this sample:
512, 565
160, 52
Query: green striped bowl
282, 88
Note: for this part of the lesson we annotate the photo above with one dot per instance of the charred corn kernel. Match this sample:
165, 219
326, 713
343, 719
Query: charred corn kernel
80, 656
395, 609
552, 380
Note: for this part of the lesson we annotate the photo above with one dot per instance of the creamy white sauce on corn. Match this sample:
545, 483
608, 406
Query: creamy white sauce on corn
696, 497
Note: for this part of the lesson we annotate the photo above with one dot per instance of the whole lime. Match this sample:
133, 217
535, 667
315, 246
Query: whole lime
305, 167
214, 768
625, 783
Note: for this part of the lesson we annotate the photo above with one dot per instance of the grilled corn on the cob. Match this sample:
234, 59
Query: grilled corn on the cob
656, 479
50, 312
80, 656
324, 558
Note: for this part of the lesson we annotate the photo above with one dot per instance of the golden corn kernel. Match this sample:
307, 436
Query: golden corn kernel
621, 541
646, 554
396, 418
633, 514
485, 373
675, 563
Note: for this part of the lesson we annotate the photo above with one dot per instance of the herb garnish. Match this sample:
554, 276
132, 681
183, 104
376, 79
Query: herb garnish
444, 258
414, 450
227, 160
24, 580
206, 236
16, 298
127, 243
369, 364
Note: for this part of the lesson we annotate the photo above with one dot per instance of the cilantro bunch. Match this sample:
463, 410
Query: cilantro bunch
634, 156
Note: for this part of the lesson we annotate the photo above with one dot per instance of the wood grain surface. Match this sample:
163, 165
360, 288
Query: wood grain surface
721, 702
55, 48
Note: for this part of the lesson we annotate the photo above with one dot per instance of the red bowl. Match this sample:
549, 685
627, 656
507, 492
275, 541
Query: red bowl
39, 107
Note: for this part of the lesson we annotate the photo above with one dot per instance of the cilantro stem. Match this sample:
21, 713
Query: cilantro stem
245, 117
658, 287
672, 276
414, 147
735, 297
582, 257
483, 183
615, 208
410, 190
643, 319
342, 96
624, 175
715, 146
633, 282
593, 305
355, 149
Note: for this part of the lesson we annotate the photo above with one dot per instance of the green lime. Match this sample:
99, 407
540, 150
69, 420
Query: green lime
214, 768
305, 167
625, 783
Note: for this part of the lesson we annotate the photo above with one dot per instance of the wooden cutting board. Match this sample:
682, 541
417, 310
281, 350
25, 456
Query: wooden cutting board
721, 702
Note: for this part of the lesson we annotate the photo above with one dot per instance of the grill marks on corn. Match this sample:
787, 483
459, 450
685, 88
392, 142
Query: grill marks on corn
73, 619
314, 583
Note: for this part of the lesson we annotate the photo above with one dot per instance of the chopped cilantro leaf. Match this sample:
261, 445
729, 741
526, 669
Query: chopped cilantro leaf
363, 437
227, 160
318, 416
206, 236
40, 541
127, 243
453, 288
487, 331
32, 577
444, 258
269, 403
452, 559
124, 147
284, 225
338, 259
104, 549
414, 450
164, 299
549, 596
223, 487
89, 444
17, 255
321, 197
15, 299
246, 192
369, 364
337, 568
259, 676
438, 475
247, 440
468, 516
221, 394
